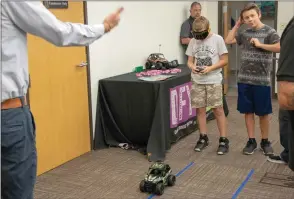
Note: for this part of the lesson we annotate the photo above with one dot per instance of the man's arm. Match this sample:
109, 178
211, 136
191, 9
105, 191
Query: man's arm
185, 32
36, 19
285, 73
286, 95
185, 40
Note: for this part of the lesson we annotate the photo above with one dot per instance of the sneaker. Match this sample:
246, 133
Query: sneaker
250, 147
202, 143
223, 146
276, 159
266, 147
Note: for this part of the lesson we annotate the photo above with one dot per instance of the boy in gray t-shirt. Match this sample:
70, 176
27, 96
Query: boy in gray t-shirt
254, 76
207, 55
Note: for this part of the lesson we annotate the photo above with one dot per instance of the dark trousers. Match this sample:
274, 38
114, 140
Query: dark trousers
291, 141
18, 153
284, 123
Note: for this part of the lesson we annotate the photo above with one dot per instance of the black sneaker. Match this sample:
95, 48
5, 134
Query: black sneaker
250, 147
201, 143
276, 159
266, 147
223, 147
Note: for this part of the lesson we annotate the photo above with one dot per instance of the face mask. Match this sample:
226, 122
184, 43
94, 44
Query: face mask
200, 35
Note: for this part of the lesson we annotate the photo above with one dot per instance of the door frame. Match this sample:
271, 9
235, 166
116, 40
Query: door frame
274, 78
88, 82
221, 32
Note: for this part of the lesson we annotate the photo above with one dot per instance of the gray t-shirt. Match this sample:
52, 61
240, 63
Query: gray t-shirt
186, 29
256, 63
207, 53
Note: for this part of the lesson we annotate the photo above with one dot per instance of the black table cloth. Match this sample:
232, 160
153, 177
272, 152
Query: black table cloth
138, 112
143, 114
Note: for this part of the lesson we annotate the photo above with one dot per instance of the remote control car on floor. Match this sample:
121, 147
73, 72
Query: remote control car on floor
158, 61
158, 176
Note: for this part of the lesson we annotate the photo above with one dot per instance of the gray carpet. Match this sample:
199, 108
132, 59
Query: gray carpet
116, 173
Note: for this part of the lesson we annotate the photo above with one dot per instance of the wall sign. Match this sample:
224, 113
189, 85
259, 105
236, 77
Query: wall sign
56, 4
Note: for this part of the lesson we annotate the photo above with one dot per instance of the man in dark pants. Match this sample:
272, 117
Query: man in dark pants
18, 145
284, 124
285, 78
291, 141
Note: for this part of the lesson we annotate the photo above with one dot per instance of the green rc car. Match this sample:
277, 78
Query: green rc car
159, 175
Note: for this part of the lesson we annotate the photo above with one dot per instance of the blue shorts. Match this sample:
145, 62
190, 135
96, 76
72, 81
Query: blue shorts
254, 99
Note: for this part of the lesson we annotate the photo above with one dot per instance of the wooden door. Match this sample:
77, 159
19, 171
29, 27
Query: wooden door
58, 96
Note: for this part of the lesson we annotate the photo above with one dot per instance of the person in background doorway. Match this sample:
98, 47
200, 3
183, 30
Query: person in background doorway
258, 43
285, 79
186, 28
18, 145
207, 55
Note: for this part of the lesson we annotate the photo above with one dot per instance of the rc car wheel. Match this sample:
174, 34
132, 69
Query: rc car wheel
158, 65
159, 189
148, 65
142, 186
171, 180
174, 64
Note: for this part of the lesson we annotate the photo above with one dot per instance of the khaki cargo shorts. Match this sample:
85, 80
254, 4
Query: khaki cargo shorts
206, 95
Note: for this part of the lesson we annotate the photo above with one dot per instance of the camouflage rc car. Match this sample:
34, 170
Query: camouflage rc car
159, 175
158, 61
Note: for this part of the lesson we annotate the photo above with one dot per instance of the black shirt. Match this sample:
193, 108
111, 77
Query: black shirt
186, 29
286, 73
286, 61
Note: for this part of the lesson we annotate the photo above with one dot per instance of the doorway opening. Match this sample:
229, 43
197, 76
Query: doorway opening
229, 12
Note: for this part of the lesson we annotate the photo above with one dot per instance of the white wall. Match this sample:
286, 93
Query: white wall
285, 13
210, 10
144, 25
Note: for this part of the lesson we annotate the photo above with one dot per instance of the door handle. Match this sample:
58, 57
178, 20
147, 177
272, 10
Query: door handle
82, 64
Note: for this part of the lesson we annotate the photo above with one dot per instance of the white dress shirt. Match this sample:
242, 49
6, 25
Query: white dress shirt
21, 17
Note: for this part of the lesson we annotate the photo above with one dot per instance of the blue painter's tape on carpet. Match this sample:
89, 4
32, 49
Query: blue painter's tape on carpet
243, 184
